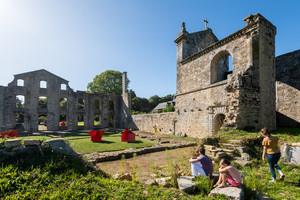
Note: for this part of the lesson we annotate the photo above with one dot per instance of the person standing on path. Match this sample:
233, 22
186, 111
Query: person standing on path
270, 145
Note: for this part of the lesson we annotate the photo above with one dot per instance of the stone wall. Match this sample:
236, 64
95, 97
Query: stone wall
245, 98
54, 88
208, 95
165, 122
288, 89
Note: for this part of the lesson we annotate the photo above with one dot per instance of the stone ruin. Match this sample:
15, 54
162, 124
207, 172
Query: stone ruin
210, 95
21, 107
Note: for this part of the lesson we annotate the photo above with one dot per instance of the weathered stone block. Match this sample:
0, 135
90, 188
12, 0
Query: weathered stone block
186, 184
245, 156
241, 149
233, 193
150, 182
31, 142
164, 182
12, 143
291, 153
59, 146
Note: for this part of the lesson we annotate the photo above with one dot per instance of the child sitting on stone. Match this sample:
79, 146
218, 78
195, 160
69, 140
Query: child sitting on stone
201, 164
228, 174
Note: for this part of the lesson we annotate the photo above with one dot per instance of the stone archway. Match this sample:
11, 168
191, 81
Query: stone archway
218, 122
216, 115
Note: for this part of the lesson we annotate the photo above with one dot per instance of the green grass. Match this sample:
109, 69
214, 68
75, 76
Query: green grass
59, 177
289, 135
110, 142
257, 177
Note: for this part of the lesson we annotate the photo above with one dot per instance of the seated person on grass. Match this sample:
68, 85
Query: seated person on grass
201, 165
228, 174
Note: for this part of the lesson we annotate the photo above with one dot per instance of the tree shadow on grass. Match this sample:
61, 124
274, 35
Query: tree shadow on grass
105, 142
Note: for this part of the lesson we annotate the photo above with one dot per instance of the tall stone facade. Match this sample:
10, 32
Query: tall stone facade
62, 104
288, 89
209, 95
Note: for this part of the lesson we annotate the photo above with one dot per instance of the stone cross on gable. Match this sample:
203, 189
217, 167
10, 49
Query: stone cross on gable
205, 23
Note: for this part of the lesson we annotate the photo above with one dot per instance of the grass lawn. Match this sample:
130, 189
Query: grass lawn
110, 142
81, 142
289, 135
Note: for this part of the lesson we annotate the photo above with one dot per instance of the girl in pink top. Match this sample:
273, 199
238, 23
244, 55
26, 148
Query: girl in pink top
229, 174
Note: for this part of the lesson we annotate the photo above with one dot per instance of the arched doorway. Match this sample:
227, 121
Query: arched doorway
218, 122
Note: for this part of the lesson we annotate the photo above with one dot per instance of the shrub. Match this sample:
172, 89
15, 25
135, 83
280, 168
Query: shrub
169, 108
253, 145
203, 185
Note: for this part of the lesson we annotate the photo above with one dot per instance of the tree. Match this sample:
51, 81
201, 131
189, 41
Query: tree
140, 104
166, 98
108, 82
154, 101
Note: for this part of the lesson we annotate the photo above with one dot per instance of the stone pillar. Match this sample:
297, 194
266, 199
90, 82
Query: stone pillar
182, 52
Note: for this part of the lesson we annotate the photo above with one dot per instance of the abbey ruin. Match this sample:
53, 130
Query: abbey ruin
255, 90
61, 107
210, 96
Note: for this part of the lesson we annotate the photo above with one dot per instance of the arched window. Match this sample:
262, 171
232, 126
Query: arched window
63, 120
97, 104
80, 120
111, 105
80, 103
43, 84
63, 87
43, 102
20, 82
63, 103
221, 66
20, 101
96, 120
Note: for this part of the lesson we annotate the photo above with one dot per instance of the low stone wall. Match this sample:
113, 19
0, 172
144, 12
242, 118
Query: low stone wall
13, 147
165, 122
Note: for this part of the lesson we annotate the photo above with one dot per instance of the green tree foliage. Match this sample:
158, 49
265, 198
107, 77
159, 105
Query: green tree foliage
63, 103
108, 82
155, 100
141, 105
43, 102
80, 104
166, 98
19, 103
169, 108
132, 93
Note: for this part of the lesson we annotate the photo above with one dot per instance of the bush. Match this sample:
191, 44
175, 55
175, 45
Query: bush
203, 185
253, 145
169, 108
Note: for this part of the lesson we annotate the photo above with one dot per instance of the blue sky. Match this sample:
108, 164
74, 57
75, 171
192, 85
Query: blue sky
78, 39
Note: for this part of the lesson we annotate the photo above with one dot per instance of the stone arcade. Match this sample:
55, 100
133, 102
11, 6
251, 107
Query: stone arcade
210, 96
61, 104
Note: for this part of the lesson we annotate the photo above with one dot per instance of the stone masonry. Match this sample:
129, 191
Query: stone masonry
288, 89
112, 110
208, 95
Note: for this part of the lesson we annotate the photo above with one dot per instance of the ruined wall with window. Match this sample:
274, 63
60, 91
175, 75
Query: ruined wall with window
223, 83
40, 100
208, 92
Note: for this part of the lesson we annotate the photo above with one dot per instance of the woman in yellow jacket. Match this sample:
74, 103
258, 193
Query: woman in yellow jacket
270, 144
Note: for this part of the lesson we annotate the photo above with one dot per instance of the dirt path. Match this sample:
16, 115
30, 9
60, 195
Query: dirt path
151, 163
